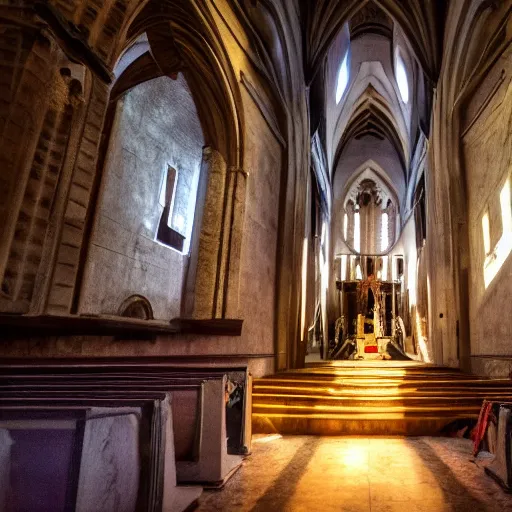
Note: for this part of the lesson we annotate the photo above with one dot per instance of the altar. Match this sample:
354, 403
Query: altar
367, 324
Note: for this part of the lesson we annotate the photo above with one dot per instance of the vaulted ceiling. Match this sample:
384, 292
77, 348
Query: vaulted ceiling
422, 21
373, 124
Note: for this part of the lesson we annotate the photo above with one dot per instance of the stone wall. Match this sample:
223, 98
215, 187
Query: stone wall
487, 149
259, 243
103, 246
156, 127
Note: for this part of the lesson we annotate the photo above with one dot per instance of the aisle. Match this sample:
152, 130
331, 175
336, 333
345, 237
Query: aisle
306, 473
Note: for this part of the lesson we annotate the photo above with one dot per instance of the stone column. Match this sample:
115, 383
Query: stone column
35, 123
234, 226
206, 287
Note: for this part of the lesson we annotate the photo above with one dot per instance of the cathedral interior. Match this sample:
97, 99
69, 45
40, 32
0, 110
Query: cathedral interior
262, 246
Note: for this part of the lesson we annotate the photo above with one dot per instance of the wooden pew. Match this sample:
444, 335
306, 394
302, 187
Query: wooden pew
198, 406
116, 440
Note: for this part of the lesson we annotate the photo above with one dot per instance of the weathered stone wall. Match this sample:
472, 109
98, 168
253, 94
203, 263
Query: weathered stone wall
156, 127
487, 150
122, 255
263, 161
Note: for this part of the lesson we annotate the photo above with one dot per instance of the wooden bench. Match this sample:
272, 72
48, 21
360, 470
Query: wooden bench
198, 398
120, 451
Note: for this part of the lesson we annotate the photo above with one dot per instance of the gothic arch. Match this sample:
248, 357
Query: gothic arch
372, 116
385, 111
182, 38
371, 170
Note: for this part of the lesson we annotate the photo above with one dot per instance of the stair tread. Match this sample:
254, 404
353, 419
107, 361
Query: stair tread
341, 397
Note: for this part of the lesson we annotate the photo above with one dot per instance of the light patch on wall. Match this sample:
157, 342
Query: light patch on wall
422, 340
487, 233
304, 287
495, 259
324, 260
345, 226
179, 222
411, 280
359, 274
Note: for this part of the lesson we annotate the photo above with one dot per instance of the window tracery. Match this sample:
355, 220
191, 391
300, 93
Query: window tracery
369, 211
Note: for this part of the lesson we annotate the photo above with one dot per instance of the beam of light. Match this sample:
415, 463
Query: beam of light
345, 226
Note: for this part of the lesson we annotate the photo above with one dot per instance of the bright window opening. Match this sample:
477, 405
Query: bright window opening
401, 79
506, 211
384, 239
496, 257
345, 226
344, 267
357, 232
343, 76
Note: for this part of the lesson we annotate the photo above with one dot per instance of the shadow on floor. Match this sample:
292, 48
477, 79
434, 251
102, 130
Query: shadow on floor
457, 495
278, 495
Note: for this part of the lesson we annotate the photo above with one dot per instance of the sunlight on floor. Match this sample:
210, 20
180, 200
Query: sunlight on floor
306, 473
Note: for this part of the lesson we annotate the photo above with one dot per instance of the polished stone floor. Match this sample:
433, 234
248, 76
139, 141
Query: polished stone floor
303, 473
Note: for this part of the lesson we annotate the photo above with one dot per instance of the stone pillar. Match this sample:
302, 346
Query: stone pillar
206, 288
234, 226
35, 122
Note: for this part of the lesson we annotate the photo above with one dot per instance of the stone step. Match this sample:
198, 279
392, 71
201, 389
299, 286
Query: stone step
370, 398
371, 401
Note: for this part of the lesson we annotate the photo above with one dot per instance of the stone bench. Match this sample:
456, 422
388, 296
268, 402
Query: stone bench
198, 397
121, 452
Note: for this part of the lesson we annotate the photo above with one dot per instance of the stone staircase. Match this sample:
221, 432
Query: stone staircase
370, 398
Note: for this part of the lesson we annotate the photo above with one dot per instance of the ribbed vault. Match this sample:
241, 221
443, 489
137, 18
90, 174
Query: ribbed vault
372, 116
421, 21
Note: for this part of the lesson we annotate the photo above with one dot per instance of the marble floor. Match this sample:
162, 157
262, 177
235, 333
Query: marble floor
303, 473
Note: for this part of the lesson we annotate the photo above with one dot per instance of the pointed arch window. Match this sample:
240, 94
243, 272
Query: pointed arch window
384, 238
401, 78
343, 77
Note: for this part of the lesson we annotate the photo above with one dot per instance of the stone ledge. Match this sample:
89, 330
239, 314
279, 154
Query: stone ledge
16, 326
